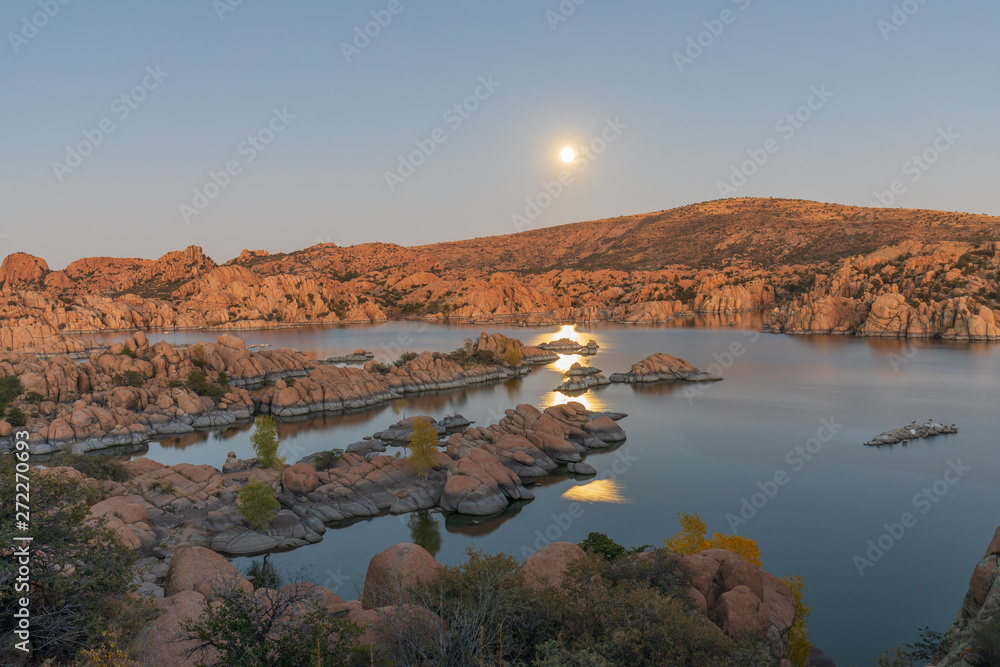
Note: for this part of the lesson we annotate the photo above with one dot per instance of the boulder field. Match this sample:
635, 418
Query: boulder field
131, 392
729, 593
479, 471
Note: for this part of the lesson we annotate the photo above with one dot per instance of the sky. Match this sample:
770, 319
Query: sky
136, 128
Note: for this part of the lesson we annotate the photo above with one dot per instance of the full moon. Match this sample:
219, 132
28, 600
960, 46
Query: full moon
567, 154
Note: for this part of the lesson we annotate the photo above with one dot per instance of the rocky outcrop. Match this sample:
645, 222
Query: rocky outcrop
570, 346
965, 638
663, 368
581, 378
914, 431
740, 596
131, 392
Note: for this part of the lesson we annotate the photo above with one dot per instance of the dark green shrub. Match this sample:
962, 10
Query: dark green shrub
97, 466
603, 546
128, 379
10, 388
67, 613
328, 459
278, 628
257, 504
16, 417
198, 382
403, 358
34, 398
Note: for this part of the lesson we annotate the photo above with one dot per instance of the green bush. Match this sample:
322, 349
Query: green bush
257, 504
10, 388
328, 459
68, 613
198, 382
16, 417
223, 379
128, 379
277, 628
603, 546
34, 398
98, 466
403, 358
264, 440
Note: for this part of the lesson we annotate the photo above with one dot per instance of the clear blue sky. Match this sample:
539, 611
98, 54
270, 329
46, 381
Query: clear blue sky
323, 176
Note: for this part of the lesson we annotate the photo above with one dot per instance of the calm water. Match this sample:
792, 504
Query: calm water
705, 452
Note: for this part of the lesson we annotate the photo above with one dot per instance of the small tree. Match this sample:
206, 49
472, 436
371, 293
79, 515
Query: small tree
265, 442
691, 539
422, 455
257, 504
512, 355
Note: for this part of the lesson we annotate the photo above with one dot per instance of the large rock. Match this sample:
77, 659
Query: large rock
394, 570
160, 645
546, 568
300, 478
740, 611
663, 368
202, 570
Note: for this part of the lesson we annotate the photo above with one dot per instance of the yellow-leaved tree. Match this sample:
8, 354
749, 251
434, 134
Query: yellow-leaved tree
422, 454
691, 539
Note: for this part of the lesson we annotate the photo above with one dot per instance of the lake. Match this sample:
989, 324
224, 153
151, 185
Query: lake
704, 449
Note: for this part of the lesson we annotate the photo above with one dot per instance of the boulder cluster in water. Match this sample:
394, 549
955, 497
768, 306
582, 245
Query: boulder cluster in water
914, 431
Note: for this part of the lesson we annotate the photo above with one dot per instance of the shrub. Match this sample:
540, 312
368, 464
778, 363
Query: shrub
198, 382
128, 379
16, 417
603, 546
423, 450
264, 440
512, 355
223, 379
98, 466
128, 353
931, 646
484, 613
279, 628
257, 504
10, 388
403, 358
379, 367
327, 459
799, 648
68, 614
34, 398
